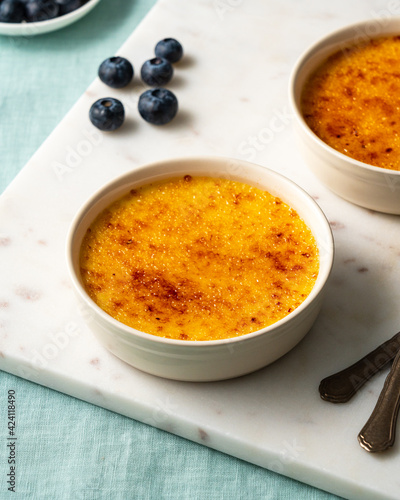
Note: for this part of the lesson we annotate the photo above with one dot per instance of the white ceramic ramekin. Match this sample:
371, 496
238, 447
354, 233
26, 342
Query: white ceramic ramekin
204, 360
365, 185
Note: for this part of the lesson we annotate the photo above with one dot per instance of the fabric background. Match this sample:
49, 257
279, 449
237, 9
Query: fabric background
68, 449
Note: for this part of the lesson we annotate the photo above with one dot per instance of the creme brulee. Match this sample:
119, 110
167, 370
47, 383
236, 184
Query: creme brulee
199, 258
352, 102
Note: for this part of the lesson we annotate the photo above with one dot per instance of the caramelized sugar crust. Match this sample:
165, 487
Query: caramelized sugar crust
352, 102
199, 258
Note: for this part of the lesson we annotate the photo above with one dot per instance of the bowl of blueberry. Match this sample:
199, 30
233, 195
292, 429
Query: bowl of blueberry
36, 17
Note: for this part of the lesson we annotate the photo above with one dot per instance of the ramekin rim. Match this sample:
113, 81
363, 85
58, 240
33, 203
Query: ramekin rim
315, 292
309, 52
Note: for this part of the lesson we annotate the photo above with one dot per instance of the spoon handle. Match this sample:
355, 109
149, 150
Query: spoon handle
379, 432
341, 387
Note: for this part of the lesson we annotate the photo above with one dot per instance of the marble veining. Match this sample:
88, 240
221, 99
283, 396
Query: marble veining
232, 89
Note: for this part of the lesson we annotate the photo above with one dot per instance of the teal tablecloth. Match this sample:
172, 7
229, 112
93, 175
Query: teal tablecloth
68, 449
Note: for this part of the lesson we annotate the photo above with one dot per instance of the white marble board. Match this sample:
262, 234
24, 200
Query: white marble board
232, 89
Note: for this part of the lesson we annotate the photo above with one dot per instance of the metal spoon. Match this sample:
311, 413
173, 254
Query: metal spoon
379, 433
341, 387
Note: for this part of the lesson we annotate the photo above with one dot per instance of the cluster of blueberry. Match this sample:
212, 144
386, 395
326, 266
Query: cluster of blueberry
157, 105
32, 11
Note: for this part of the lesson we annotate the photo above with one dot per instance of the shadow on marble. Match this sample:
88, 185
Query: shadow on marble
187, 62
177, 83
182, 119
129, 127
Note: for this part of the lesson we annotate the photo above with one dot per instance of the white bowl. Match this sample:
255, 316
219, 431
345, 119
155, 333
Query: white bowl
215, 359
366, 185
39, 28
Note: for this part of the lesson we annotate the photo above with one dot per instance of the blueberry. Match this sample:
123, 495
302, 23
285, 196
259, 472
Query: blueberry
67, 6
156, 72
11, 11
107, 114
158, 106
170, 49
116, 72
41, 10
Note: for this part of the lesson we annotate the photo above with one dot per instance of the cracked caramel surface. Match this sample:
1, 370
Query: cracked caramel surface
352, 102
198, 258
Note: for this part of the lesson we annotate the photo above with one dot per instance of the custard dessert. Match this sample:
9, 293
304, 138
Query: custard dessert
352, 102
198, 258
